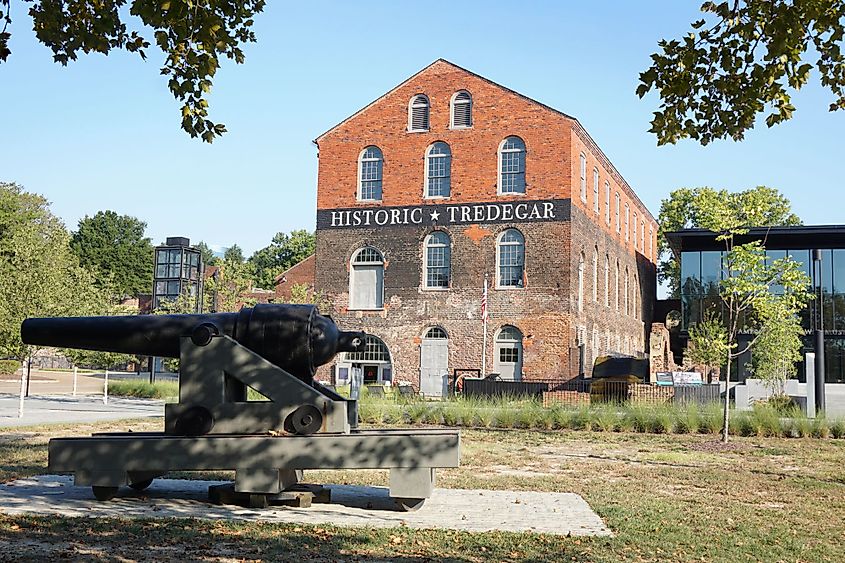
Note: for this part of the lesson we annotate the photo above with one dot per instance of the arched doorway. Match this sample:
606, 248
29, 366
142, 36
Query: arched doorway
508, 353
374, 363
434, 363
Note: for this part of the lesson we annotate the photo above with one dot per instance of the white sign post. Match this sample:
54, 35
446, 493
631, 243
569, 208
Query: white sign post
74, 380
23, 393
106, 388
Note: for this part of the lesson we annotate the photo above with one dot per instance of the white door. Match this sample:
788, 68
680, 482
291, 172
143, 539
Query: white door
507, 354
367, 287
434, 367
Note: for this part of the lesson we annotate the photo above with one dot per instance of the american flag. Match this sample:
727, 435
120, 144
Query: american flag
484, 301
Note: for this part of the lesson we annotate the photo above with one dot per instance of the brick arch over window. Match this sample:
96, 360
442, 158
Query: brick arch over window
512, 166
418, 110
370, 165
366, 279
510, 259
461, 110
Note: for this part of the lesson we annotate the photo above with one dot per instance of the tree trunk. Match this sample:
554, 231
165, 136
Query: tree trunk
727, 400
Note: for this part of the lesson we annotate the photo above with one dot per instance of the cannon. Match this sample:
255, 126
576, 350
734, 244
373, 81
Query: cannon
297, 424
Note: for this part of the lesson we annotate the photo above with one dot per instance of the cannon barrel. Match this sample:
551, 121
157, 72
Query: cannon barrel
294, 337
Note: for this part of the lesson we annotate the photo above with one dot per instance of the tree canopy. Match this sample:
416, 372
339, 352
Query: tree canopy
686, 208
193, 34
743, 59
113, 245
41, 276
234, 254
282, 253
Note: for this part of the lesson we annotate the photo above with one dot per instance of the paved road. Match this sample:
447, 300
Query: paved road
61, 382
68, 409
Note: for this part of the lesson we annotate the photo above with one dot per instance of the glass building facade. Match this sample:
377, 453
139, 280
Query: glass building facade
178, 270
702, 269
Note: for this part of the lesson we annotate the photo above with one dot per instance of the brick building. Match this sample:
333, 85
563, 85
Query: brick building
449, 178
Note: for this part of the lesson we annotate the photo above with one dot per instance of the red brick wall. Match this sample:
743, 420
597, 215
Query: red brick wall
546, 309
300, 273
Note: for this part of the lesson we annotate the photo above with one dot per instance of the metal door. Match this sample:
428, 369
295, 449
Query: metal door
434, 367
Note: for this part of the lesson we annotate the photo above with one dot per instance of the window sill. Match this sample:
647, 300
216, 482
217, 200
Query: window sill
510, 287
355, 309
369, 201
509, 194
435, 289
437, 197
459, 127
418, 130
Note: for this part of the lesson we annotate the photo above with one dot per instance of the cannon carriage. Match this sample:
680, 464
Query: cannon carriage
273, 349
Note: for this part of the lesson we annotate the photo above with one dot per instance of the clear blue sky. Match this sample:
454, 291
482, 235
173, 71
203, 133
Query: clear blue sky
104, 132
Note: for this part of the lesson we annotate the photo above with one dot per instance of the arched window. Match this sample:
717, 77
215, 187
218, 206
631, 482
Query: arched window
461, 110
651, 242
635, 230
583, 177
636, 296
438, 170
606, 281
607, 202
618, 221
627, 222
581, 282
512, 166
374, 351
436, 332
617, 285
366, 280
596, 275
438, 261
369, 167
507, 359
627, 289
642, 236
418, 113
596, 190
510, 251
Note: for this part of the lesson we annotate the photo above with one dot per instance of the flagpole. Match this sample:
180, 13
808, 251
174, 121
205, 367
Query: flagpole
484, 323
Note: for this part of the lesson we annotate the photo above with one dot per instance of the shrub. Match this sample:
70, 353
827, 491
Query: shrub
782, 404
837, 428
9, 367
143, 389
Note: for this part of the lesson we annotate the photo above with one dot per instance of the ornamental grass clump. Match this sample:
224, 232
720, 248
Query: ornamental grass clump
765, 421
687, 418
837, 428
661, 420
638, 418
415, 412
506, 417
581, 419
604, 418
821, 427
434, 415
711, 419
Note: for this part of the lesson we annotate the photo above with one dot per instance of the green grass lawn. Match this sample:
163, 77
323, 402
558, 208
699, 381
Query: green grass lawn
666, 497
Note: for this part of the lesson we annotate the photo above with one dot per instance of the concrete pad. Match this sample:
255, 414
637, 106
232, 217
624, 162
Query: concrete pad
454, 509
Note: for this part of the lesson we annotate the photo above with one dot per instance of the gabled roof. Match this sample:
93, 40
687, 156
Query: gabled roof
453, 65
579, 128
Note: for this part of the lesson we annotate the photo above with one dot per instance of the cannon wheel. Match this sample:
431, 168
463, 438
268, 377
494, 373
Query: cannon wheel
141, 485
104, 493
408, 504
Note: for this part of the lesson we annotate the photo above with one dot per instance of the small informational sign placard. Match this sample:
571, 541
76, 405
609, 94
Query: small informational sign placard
687, 378
664, 378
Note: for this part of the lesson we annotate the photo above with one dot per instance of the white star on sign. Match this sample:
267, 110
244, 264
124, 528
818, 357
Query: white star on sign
435, 215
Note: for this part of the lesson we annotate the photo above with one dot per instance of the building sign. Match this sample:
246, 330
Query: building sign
445, 214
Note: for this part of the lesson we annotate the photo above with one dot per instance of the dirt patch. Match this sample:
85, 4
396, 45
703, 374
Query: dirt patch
712, 446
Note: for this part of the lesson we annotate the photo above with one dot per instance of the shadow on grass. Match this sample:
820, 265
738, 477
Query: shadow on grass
19, 458
112, 539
